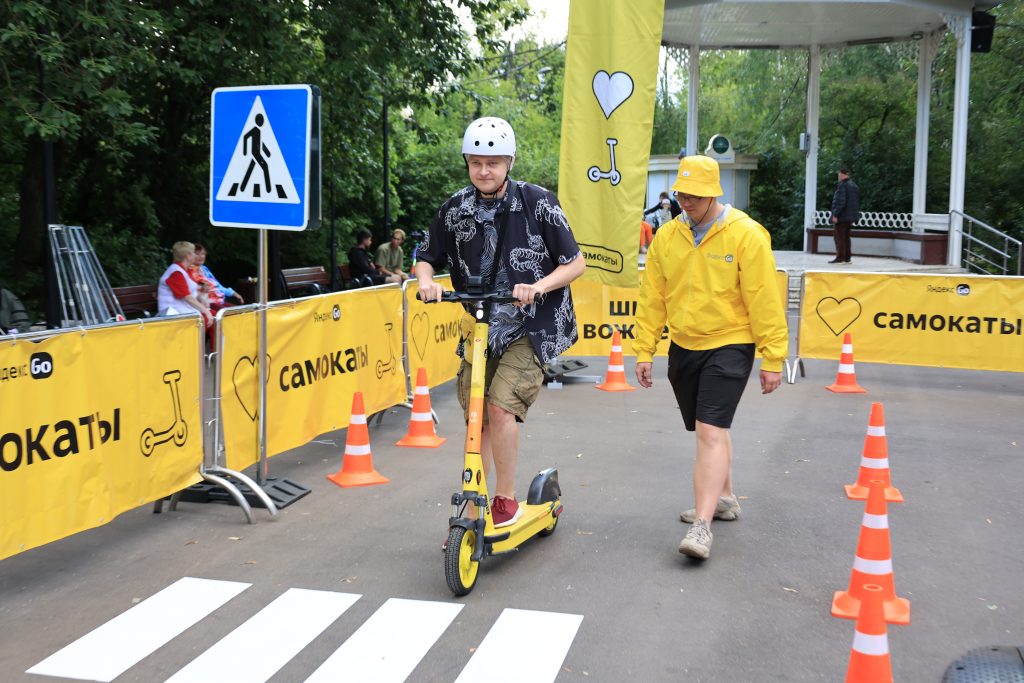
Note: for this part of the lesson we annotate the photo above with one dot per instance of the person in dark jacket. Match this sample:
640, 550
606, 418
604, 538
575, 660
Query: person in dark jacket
845, 212
361, 264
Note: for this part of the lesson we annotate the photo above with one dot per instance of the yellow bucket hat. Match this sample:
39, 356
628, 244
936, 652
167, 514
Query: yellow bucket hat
698, 176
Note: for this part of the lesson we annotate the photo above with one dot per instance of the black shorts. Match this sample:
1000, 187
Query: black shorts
708, 384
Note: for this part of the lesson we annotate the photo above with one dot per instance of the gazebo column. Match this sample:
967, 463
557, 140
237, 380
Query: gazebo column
811, 169
961, 28
927, 48
693, 63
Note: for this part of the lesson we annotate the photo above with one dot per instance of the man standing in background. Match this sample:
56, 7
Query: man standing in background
845, 212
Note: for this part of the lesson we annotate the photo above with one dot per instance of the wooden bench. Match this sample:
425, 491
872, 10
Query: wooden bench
137, 301
916, 247
306, 281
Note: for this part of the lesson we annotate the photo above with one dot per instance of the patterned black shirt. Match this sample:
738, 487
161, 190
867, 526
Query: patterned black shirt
537, 238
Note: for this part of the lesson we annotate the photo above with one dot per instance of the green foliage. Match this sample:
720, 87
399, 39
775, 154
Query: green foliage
521, 83
868, 115
122, 90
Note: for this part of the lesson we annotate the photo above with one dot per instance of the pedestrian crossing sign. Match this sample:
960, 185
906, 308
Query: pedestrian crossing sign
265, 157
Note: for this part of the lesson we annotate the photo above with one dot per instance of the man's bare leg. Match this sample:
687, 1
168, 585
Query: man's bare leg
508, 436
711, 468
504, 449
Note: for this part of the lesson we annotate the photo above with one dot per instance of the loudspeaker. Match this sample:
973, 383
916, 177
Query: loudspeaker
983, 26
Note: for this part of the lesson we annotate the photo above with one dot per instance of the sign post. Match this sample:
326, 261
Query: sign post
265, 172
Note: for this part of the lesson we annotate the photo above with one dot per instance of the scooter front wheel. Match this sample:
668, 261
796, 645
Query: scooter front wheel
460, 569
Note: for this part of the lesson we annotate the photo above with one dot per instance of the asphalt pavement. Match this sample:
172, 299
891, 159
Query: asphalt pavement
357, 575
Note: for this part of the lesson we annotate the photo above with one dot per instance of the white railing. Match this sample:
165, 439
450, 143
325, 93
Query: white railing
871, 219
991, 251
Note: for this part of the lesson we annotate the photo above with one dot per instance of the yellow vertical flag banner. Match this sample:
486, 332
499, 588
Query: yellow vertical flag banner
946, 321
607, 118
94, 423
432, 335
320, 351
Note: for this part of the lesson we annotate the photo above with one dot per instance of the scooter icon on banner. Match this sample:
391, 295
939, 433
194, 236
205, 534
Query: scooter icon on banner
595, 174
611, 90
178, 431
391, 364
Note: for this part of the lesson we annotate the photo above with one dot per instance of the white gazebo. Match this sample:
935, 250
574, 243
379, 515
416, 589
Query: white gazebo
692, 25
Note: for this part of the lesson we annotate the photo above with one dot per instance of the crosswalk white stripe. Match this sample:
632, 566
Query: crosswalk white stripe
108, 651
541, 638
389, 645
257, 649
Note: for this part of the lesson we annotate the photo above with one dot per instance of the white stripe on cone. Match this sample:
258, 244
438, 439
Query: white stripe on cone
421, 417
845, 369
422, 391
875, 521
357, 420
352, 449
874, 463
876, 567
847, 348
871, 645
616, 368
876, 431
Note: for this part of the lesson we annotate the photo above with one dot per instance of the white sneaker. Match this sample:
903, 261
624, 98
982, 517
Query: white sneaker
727, 510
698, 541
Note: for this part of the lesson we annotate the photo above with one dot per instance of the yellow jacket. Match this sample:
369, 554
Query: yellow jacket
720, 292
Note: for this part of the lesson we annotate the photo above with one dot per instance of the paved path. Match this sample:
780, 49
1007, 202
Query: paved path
607, 597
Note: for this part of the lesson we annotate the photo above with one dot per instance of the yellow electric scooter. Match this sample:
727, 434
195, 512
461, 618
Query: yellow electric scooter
471, 537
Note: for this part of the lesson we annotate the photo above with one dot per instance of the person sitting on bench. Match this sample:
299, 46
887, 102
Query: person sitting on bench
361, 264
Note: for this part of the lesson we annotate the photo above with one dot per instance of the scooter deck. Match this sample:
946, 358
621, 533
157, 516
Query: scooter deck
535, 518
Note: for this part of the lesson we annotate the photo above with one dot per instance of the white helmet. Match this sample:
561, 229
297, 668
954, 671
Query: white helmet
490, 136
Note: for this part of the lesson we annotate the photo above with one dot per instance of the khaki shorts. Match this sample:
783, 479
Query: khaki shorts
512, 381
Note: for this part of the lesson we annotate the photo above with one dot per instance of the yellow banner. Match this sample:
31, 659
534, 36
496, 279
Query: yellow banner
951, 321
607, 118
431, 335
601, 309
94, 423
320, 351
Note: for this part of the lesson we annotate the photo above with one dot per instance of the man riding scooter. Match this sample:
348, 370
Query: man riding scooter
515, 237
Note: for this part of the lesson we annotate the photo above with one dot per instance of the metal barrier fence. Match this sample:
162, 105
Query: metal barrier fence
948, 320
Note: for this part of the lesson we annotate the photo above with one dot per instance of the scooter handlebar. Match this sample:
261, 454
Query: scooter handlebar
472, 297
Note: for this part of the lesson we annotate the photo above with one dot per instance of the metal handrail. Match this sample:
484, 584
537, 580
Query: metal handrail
974, 257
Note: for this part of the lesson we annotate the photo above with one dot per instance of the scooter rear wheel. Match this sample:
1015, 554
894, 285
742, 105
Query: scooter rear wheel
550, 529
460, 569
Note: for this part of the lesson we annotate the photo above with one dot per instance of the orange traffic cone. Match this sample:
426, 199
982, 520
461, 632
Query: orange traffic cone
874, 463
615, 379
846, 378
873, 565
421, 421
357, 463
869, 656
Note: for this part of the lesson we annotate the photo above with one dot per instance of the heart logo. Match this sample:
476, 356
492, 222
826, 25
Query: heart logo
244, 377
838, 314
420, 333
612, 90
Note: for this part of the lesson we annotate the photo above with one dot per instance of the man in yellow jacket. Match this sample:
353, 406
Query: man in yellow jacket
710, 276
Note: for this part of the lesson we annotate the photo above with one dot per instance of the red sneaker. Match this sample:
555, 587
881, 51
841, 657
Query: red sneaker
505, 511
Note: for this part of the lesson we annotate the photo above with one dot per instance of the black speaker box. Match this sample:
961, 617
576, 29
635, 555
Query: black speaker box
983, 26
